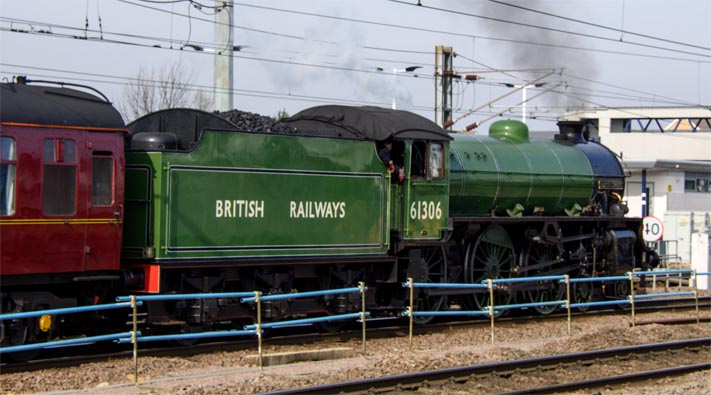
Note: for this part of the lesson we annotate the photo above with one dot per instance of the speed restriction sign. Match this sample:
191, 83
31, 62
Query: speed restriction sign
652, 229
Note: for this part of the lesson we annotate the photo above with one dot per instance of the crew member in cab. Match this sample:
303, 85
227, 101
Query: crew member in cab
386, 155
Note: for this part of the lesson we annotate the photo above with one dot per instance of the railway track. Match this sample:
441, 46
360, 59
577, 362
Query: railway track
97, 352
464, 374
606, 381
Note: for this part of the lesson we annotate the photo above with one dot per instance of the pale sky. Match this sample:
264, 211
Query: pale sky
297, 54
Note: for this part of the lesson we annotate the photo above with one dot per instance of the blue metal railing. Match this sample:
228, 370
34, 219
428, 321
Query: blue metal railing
65, 343
492, 310
59, 311
134, 301
258, 298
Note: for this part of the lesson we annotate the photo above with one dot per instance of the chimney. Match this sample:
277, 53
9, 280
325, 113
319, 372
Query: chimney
571, 131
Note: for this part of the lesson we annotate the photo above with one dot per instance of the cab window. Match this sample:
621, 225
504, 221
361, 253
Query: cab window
435, 161
59, 182
417, 159
8, 163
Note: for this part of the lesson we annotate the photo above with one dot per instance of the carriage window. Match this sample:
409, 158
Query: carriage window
102, 180
8, 163
59, 183
435, 161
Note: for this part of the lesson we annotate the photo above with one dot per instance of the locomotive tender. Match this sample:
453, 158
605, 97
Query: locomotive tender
181, 201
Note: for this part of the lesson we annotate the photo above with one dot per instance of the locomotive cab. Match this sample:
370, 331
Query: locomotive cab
425, 190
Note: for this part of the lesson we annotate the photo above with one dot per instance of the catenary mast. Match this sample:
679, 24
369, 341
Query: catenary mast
224, 61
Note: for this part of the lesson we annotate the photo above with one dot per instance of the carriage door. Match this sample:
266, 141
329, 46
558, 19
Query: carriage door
103, 240
426, 190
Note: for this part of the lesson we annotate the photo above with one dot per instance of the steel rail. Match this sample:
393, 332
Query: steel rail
604, 381
464, 373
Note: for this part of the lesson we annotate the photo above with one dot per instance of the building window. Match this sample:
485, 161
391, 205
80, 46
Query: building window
102, 180
435, 161
661, 125
59, 183
8, 163
697, 182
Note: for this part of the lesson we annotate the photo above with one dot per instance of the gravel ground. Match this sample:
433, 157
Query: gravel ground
229, 372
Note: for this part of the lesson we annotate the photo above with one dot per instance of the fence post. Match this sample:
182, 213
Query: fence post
567, 298
257, 294
361, 285
654, 283
631, 276
134, 339
696, 294
491, 307
666, 283
411, 285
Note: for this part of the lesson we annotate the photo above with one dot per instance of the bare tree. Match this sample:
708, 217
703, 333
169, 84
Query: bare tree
169, 87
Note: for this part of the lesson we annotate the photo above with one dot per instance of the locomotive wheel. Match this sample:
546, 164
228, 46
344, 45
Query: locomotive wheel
433, 270
188, 329
491, 256
19, 332
330, 280
616, 290
329, 326
544, 257
620, 290
582, 293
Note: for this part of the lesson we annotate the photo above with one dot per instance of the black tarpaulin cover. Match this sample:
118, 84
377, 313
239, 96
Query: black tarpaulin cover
366, 123
186, 124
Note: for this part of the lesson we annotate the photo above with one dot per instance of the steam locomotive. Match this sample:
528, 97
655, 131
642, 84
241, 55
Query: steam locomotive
183, 201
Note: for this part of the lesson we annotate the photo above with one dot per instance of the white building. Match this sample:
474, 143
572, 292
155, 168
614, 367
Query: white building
668, 153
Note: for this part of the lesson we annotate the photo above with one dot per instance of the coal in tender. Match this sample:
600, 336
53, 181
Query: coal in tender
252, 122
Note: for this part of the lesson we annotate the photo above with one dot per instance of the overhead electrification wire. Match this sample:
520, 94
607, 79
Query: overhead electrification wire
210, 20
626, 89
236, 54
405, 28
621, 96
551, 29
247, 92
124, 81
600, 26
504, 72
243, 57
192, 2
400, 75
575, 48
